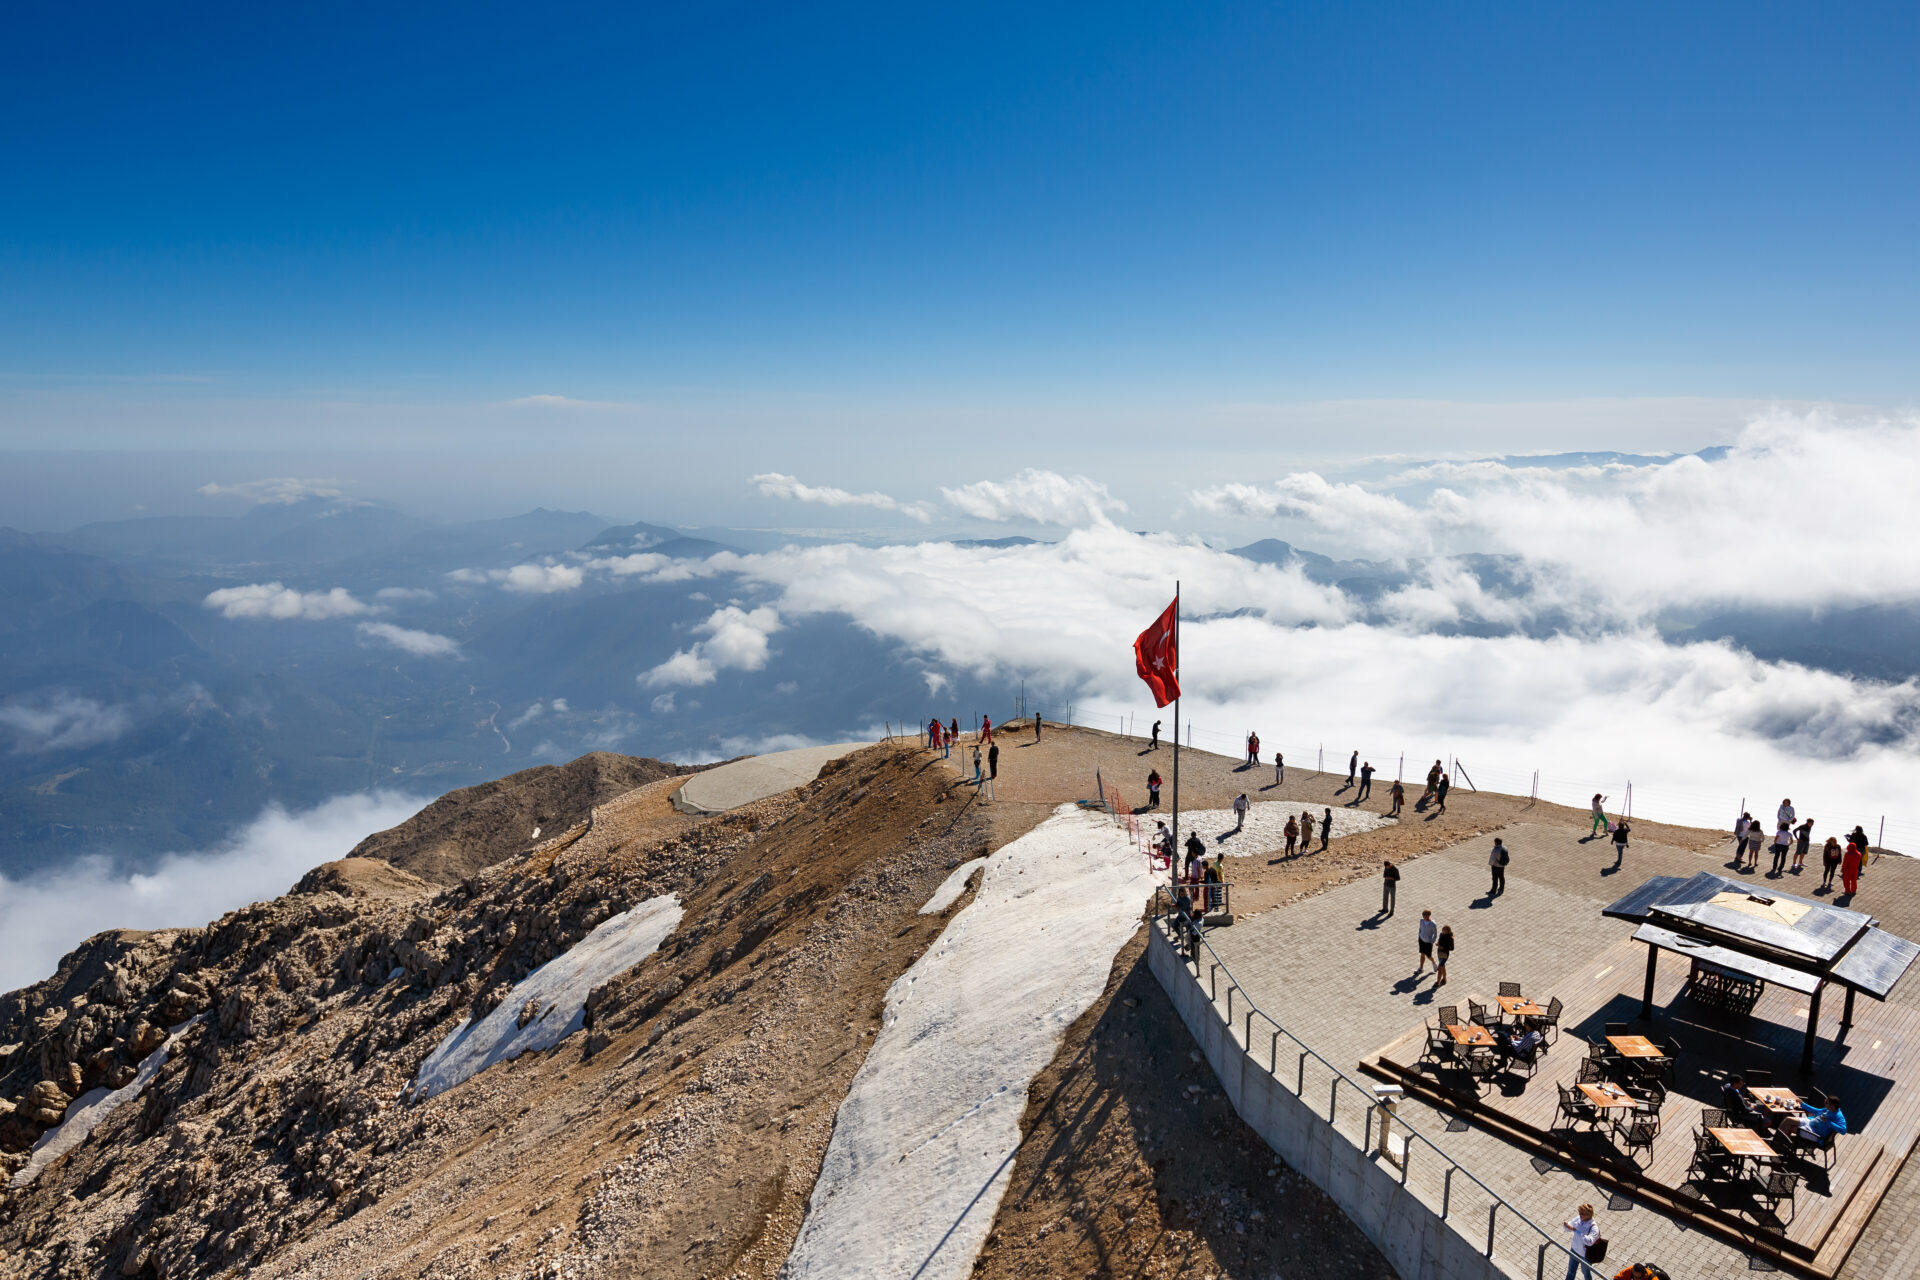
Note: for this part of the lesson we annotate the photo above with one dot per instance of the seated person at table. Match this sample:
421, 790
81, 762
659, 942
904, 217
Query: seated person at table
1739, 1107
1519, 1046
1814, 1126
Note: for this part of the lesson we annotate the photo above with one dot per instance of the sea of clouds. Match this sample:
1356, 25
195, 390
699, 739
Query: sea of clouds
1577, 665
43, 916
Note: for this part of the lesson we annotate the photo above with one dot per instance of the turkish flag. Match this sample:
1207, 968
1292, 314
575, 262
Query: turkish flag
1157, 657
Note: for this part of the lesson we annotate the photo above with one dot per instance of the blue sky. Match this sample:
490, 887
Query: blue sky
306, 227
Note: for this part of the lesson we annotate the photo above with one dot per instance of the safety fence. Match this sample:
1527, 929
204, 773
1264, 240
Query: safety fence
1429, 1214
1623, 798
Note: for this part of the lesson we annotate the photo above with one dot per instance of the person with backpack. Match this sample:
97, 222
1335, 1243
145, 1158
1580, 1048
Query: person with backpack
1498, 861
1389, 885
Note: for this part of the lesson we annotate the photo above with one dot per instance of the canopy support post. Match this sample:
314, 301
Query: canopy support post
1813, 1031
1646, 992
1846, 1013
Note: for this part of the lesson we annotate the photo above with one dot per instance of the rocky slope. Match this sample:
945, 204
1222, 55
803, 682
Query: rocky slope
679, 1135
474, 827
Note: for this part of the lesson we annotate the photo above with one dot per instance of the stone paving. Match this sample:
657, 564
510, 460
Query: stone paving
1341, 977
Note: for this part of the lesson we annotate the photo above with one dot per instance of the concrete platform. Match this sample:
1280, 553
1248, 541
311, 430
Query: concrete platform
756, 778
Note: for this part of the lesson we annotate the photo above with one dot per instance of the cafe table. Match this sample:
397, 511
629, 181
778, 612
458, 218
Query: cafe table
1519, 1007
1470, 1033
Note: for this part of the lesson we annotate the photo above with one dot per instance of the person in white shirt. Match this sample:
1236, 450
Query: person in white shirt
1585, 1232
1526, 1042
1428, 932
1240, 811
1786, 814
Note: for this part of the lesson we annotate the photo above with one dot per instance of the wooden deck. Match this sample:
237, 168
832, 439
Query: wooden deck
1868, 1070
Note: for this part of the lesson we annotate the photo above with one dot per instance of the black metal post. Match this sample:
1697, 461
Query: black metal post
1846, 1013
1813, 1031
1646, 992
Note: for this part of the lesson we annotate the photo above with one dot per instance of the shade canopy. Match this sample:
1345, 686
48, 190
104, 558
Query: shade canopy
1755, 927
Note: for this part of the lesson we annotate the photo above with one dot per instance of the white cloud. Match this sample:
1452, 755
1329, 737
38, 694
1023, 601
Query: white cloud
63, 722
775, 485
271, 600
43, 916
402, 594
736, 638
280, 490
1044, 497
421, 644
537, 710
1695, 726
527, 579
1803, 511
662, 704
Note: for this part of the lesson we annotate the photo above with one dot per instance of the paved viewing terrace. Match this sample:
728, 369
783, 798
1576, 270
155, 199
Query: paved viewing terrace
1341, 977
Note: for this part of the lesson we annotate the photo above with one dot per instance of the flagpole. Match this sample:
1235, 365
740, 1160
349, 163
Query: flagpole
1173, 864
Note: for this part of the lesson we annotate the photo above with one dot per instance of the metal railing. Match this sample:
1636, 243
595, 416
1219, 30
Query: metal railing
1190, 941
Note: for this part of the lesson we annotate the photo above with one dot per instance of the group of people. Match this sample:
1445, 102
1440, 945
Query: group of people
1809, 1126
1791, 840
986, 765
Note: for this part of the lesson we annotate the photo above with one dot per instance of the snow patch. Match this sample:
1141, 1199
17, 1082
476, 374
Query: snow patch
93, 1106
952, 887
923, 1145
558, 990
1265, 831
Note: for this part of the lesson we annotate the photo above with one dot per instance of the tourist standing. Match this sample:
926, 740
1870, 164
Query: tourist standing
1353, 767
1196, 850
1850, 863
1599, 816
1443, 947
1440, 792
953, 730
1433, 780
1498, 861
1155, 744
933, 733
1428, 931
1279, 768
978, 776
1586, 1234
1829, 861
1293, 833
1782, 843
1399, 794
1620, 833
1240, 812
1036, 726
1786, 813
1389, 886
1366, 781
1253, 749
1326, 830
986, 728
1153, 789
1802, 838
993, 761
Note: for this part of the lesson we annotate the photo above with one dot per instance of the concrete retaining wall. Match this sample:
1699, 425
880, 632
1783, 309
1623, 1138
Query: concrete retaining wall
1415, 1240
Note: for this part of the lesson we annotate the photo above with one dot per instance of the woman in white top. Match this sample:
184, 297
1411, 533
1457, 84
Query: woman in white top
1585, 1232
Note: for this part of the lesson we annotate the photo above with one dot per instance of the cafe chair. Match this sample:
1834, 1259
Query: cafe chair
1530, 1059
1712, 1118
1669, 1046
1575, 1108
1439, 1043
1639, 1136
1775, 1185
1449, 1015
1550, 1020
1476, 1012
1711, 1161
1591, 1072
1510, 990
1482, 1062
1823, 1150
1618, 1029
